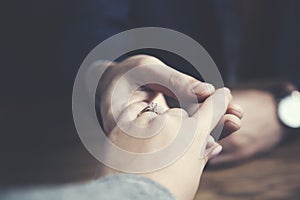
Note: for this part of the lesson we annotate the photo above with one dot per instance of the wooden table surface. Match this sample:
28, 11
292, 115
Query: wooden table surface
39, 145
275, 176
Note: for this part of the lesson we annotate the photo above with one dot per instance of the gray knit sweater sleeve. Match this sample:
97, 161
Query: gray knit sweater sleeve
114, 187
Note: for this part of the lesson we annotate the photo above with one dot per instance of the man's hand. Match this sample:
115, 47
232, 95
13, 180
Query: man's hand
260, 131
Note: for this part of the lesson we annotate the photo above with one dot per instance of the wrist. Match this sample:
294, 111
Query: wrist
287, 100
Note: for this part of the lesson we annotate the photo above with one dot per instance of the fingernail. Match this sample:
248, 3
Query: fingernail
216, 151
232, 126
236, 110
226, 89
210, 139
210, 87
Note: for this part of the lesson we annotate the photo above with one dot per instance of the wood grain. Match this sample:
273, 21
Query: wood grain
275, 175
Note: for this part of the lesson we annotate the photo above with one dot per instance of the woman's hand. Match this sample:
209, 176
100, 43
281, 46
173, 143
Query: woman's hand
181, 176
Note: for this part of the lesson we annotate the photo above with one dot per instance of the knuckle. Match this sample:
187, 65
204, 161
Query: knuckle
178, 82
244, 153
235, 142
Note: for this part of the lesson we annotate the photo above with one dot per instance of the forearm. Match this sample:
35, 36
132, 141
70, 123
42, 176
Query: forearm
115, 187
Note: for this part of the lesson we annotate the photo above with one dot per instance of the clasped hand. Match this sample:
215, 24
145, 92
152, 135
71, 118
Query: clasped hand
122, 97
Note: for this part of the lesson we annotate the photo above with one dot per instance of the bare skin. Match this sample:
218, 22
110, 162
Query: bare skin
182, 176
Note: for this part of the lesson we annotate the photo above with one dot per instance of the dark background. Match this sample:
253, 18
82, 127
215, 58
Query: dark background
44, 42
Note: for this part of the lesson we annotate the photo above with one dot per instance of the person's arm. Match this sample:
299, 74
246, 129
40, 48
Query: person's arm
114, 187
